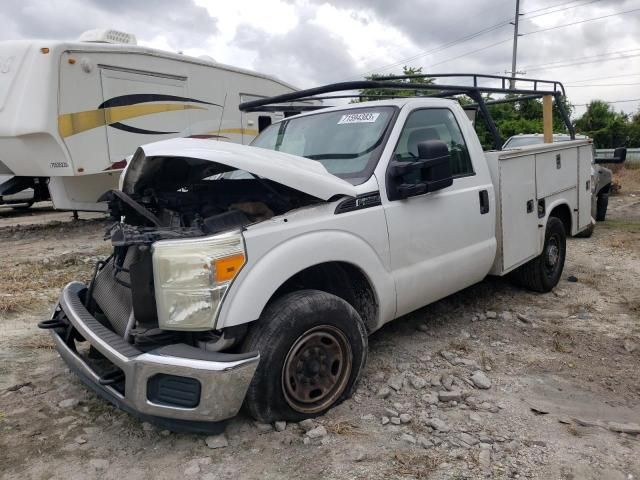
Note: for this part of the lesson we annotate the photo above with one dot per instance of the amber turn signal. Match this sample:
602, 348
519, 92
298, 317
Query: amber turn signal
228, 267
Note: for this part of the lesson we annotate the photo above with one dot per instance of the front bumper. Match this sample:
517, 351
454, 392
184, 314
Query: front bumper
223, 378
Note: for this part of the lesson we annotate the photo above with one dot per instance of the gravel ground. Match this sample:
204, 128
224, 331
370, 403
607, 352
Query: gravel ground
493, 382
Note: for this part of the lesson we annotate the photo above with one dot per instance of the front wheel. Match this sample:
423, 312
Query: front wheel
313, 347
543, 272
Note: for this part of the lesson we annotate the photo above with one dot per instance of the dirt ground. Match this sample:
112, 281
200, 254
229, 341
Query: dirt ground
563, 400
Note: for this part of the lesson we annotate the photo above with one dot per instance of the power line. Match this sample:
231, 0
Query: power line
538, 31
588, 57
603, 60
492, 28
550, 7
560, 9
609, 102
470, 53
582, 21
471, 36
440, 47
604, 85
603, 78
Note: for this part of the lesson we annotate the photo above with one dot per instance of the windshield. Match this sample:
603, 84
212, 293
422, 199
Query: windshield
347, 142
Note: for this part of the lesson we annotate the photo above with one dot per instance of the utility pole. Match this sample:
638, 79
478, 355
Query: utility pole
515, 45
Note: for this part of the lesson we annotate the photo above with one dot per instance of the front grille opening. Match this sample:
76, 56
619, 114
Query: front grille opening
174, 391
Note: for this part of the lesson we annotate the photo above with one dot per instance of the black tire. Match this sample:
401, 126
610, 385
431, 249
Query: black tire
319, 340
543, 272
601, 207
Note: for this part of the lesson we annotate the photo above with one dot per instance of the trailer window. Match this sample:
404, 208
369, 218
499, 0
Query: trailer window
434, 124
347, 142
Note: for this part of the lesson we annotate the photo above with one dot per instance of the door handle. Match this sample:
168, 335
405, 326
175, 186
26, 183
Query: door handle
484, 201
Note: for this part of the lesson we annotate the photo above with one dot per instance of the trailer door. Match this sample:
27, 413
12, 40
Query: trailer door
143, 107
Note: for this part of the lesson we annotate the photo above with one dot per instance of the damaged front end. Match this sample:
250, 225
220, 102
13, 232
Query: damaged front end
142, 333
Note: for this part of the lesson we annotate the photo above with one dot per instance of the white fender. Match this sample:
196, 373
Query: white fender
258, 281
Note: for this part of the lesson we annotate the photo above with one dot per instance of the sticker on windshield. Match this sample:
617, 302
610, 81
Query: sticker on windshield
366, 117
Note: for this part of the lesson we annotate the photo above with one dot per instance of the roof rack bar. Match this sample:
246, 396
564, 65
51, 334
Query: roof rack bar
475, 76
565, 115
286, 108
529, 88
510, 100
488, 119
364, 84
447, 94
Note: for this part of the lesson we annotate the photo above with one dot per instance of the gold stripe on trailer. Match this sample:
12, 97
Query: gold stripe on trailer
237, 131
72, 123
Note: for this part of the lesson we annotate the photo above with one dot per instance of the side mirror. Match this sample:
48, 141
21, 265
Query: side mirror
619, 156
430, 172
436, 159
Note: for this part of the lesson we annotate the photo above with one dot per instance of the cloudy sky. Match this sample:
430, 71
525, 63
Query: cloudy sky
310, 42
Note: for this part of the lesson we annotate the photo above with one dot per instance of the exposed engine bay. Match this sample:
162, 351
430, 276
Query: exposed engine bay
186, 198
203, 207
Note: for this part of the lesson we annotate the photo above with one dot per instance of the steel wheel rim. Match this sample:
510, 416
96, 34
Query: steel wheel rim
317, 369
552, 254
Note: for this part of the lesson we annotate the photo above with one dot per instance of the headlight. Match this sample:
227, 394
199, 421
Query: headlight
191, 277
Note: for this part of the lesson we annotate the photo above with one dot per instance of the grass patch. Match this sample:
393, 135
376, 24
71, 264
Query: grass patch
562, 342
415, 465
460, 345
575, 308
38, 342
26, 286
486, 360
9, 304
344, 428
621, 225
627, 176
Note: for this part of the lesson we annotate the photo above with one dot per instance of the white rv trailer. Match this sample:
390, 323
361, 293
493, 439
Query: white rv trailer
71, 112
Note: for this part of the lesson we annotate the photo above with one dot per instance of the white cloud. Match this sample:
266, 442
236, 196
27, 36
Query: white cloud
308, 42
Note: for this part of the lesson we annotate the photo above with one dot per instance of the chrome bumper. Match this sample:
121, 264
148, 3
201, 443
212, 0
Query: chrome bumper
224, 378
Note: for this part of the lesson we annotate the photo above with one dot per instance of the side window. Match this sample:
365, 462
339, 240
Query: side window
434, 124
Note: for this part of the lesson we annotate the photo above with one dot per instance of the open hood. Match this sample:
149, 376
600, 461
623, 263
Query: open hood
302, 174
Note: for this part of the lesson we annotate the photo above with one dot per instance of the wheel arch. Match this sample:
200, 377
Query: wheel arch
306, 262
561, 210
342, 279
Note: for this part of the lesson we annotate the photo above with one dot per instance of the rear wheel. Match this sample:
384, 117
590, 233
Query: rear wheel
313, 347
543, 272
601, 206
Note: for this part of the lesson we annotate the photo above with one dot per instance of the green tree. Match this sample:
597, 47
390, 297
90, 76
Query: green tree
376, 93
634, 131
523, 116
608, 128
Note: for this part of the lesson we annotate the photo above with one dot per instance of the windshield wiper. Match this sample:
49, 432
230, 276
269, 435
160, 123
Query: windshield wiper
344, 156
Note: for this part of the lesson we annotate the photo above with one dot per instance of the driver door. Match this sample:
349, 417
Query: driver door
442, 241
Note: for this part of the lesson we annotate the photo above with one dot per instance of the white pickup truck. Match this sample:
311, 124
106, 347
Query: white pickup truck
254, 274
